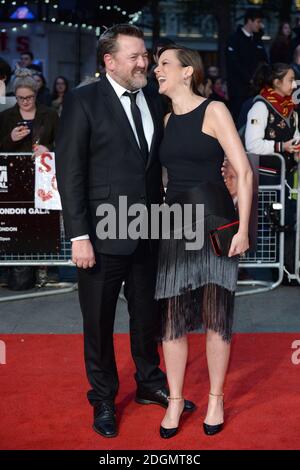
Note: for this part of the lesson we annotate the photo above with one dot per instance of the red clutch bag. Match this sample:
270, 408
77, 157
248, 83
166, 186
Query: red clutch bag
222, 236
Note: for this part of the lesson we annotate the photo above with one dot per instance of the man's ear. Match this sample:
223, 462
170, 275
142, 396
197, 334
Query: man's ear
109, 62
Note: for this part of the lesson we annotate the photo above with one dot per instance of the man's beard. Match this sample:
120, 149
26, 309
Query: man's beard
135, 82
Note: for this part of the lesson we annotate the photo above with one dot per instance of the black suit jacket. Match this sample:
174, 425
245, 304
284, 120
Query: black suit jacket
98, 160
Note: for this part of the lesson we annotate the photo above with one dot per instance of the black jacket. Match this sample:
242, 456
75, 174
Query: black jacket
98, 160
244, 54
44, 128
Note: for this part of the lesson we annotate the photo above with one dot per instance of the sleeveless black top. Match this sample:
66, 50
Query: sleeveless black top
190, 156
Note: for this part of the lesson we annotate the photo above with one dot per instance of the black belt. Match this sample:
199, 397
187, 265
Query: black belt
215, 197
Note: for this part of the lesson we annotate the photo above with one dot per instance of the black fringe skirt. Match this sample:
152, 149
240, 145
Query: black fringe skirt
195, 288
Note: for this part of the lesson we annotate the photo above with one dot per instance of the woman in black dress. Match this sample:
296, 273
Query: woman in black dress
196, 288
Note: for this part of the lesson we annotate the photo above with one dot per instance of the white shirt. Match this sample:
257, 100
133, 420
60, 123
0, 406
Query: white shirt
148, 125
257, 121
143, 106
247, 33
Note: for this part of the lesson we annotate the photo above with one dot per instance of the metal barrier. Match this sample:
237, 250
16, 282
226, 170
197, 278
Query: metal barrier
63, 258
297, 247
296, 192
270, 244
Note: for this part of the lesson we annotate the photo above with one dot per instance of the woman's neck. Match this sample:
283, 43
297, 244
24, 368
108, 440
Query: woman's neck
185, 102
279, 93
28, 114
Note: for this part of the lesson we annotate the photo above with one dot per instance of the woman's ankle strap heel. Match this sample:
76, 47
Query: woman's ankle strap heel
210, 429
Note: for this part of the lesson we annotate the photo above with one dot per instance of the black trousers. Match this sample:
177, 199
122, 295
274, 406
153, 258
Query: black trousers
99, 289
235, 106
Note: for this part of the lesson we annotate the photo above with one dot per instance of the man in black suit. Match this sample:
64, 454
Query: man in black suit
107, 146
245, 51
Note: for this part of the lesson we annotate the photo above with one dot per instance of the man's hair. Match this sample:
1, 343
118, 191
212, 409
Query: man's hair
28, 53
108, 40
253, 14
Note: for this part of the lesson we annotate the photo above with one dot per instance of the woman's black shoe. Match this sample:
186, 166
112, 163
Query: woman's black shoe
211, 429
168, 433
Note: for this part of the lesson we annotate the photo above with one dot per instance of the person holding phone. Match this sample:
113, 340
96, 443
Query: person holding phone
27, 126
272, 122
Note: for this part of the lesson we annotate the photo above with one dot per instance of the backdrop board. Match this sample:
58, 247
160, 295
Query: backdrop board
24, 229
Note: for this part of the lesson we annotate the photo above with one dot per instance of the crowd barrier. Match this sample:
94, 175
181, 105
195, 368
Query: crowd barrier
270, 251
268, 255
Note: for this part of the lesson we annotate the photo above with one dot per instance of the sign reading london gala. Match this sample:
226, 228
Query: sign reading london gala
24, 229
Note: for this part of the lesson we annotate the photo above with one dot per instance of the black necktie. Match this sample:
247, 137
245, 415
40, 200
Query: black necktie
137, 118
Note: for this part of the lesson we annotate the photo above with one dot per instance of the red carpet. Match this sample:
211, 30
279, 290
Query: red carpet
43, 404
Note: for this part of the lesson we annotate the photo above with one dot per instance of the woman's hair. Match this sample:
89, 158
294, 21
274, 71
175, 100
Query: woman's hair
39, 74
280, 35
189, 58
24, 79
54, 93
266, 74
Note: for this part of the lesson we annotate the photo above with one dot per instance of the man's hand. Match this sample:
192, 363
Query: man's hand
230, 178
83, 254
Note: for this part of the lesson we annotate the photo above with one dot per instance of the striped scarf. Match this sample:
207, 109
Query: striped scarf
283, 104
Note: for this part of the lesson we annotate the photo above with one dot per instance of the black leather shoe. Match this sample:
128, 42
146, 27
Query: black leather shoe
159, 397
105, 419
167, 433
210, 429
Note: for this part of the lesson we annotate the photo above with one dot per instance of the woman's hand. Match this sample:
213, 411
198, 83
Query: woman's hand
297, 157
289, 147
239, 244
230, 178
39, 150
19, 133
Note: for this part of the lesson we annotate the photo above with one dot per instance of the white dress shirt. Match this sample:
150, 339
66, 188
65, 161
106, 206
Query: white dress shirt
148, 125
249, 35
